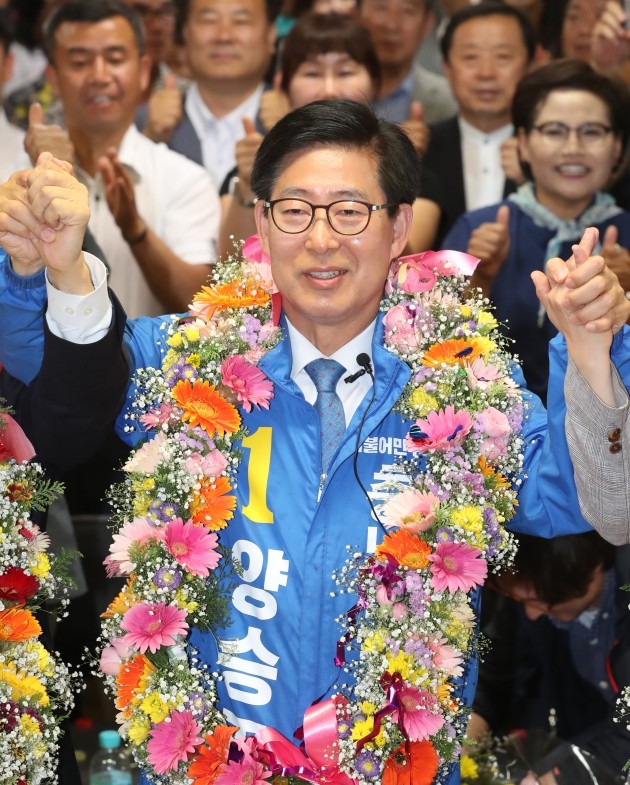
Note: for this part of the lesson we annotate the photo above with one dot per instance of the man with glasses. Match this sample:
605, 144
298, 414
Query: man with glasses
335, 187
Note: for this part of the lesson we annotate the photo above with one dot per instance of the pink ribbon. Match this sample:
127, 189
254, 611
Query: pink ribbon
320, 737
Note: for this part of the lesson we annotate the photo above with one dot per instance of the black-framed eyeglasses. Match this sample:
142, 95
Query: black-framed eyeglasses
588, 134
345, 216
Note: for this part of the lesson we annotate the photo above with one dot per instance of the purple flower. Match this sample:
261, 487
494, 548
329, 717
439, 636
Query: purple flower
195, 439
367, 764
178, 371
162, 511
167, 578
251, 328
343, 729
444, 535
197, 704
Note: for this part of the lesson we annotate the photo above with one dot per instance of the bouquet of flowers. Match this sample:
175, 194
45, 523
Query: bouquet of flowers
36, 688
411, 626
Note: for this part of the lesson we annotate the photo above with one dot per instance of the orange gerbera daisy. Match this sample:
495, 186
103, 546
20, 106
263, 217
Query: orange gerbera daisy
121, 602
132, 678
413, 763
18, 624
213, 506
457, 351
495, 479
237, 294
408, 549
204, 769
205, 407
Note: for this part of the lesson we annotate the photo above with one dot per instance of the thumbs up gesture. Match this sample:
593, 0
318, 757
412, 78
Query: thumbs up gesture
616, 257
416, 129
490, 242
164, 111
42, 138
246, 149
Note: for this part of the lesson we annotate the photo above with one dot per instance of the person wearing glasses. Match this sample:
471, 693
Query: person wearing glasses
573, 125
335, 186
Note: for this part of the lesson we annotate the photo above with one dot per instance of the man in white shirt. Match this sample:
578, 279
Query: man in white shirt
154, 213
229, 45
12, 154
486, 48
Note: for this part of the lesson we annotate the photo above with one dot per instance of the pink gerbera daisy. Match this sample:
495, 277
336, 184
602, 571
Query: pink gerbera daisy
152, 625
457, 566
172, 741
157, 417
251, 386
447, 658
194, 547
247, 771
411, 510
133, 533
420, 713
440, 431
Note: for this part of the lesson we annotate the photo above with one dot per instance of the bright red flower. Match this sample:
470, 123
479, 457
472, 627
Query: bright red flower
16, 586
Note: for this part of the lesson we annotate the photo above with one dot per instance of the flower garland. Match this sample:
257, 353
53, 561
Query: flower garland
36, 688
411, 627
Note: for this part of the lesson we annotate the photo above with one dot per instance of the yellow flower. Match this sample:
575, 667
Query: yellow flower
184, 603
154, 707
374, 643
194, 360
422, 401
466, 311
138, 730
192, 334
40, 566
486, 320
24, 687
176, 341
368, 708
363, 728
468, 518
484, 345
469, 768
30, 725
403, 663
44, 660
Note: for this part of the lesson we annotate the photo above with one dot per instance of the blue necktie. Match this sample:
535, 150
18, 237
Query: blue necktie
325, 375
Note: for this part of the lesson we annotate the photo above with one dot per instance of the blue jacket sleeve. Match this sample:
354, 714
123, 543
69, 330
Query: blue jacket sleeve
22, 307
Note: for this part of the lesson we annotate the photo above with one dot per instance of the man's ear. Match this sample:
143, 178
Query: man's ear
145, 71
261, 217
51, 76
402, 227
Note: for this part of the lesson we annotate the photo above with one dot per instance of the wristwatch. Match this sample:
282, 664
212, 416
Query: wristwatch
234, 191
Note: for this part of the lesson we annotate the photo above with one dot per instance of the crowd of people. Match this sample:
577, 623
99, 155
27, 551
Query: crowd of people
141, 140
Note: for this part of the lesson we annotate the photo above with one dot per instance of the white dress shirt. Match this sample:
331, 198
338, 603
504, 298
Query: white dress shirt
12, 153
484, 178
219, 135
176, 199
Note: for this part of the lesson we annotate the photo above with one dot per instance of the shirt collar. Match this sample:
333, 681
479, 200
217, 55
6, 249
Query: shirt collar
498, 136
203, 119
303, 351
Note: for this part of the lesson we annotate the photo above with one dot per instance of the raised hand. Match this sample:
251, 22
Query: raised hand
510, 161
490, 243
120, 195
274, 104
616, 257
610, 42
246, 149
416, 129
42, 138
164, 111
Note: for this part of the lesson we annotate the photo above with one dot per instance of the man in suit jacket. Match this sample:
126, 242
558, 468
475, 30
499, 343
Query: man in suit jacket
229, 45
486, 48
398, 28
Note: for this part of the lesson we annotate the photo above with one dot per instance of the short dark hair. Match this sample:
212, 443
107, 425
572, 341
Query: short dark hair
559, 569
567, 74
317, 34
91, 11
485, 9
348, 125
272, 9
7, 30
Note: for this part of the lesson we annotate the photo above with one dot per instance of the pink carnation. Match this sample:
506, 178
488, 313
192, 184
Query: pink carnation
400, 329
173, 741
412, 510
210, 465
410, 274
148, 457
157, 417
447, 658
250, 385
112, 657
457, 566
153, 625
496, 427
194, 547
440, 431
